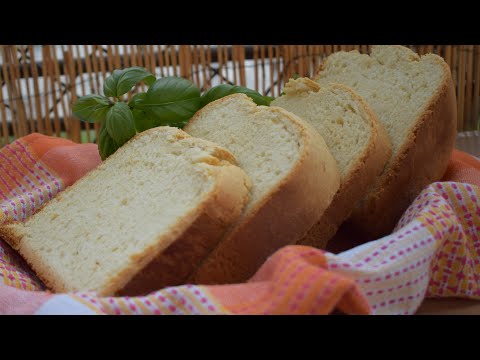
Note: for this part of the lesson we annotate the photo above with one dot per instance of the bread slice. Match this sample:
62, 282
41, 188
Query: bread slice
414, 98
356, 139
294, 178
138, 222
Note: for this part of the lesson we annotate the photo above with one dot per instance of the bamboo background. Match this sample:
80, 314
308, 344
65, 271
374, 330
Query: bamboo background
39, 87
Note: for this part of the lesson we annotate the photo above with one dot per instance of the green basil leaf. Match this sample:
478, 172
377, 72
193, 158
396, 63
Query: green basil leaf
110, 84
170, 101
120, 124
91, 108
136, 98
106, 145
220, 91
122, 81
143, 121
149, 80
101, 113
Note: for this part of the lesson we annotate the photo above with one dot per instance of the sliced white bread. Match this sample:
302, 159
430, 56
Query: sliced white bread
356, 139
294, 178
140, 221
414, 98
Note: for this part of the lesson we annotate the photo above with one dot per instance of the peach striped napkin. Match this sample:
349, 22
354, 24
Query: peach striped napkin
433, 252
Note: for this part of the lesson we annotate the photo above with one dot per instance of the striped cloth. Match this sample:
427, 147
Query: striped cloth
433, 252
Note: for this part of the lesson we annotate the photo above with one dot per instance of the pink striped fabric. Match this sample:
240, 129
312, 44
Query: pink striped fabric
433, 252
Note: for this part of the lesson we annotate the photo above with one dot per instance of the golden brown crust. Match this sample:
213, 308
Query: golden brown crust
210, 218
10, 236
421, 160
282, 218
300, 85
352, 189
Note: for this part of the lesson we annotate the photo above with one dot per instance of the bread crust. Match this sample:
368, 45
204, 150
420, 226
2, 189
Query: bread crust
362, 176
201, 228
284, 215
421, 160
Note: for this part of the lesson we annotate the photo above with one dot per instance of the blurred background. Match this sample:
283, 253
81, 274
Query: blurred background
40, 82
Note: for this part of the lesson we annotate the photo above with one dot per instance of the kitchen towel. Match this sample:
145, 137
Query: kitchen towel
434, 251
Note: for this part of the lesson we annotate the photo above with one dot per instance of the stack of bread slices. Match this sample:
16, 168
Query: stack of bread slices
210, 203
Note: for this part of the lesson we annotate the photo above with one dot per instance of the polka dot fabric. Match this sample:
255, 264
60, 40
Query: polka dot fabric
433, 252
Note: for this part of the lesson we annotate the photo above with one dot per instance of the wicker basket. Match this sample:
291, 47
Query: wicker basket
40, 82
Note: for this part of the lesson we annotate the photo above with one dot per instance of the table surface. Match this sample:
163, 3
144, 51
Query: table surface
449, 307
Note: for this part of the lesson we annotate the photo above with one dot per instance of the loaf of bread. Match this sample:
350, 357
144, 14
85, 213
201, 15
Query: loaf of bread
294, 179
414, 98
362, 140
356, 139
140, 221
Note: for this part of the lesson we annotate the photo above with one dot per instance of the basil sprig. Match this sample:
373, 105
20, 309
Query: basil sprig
220, 91
169, 101
122, 81
92, 108
120, 124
